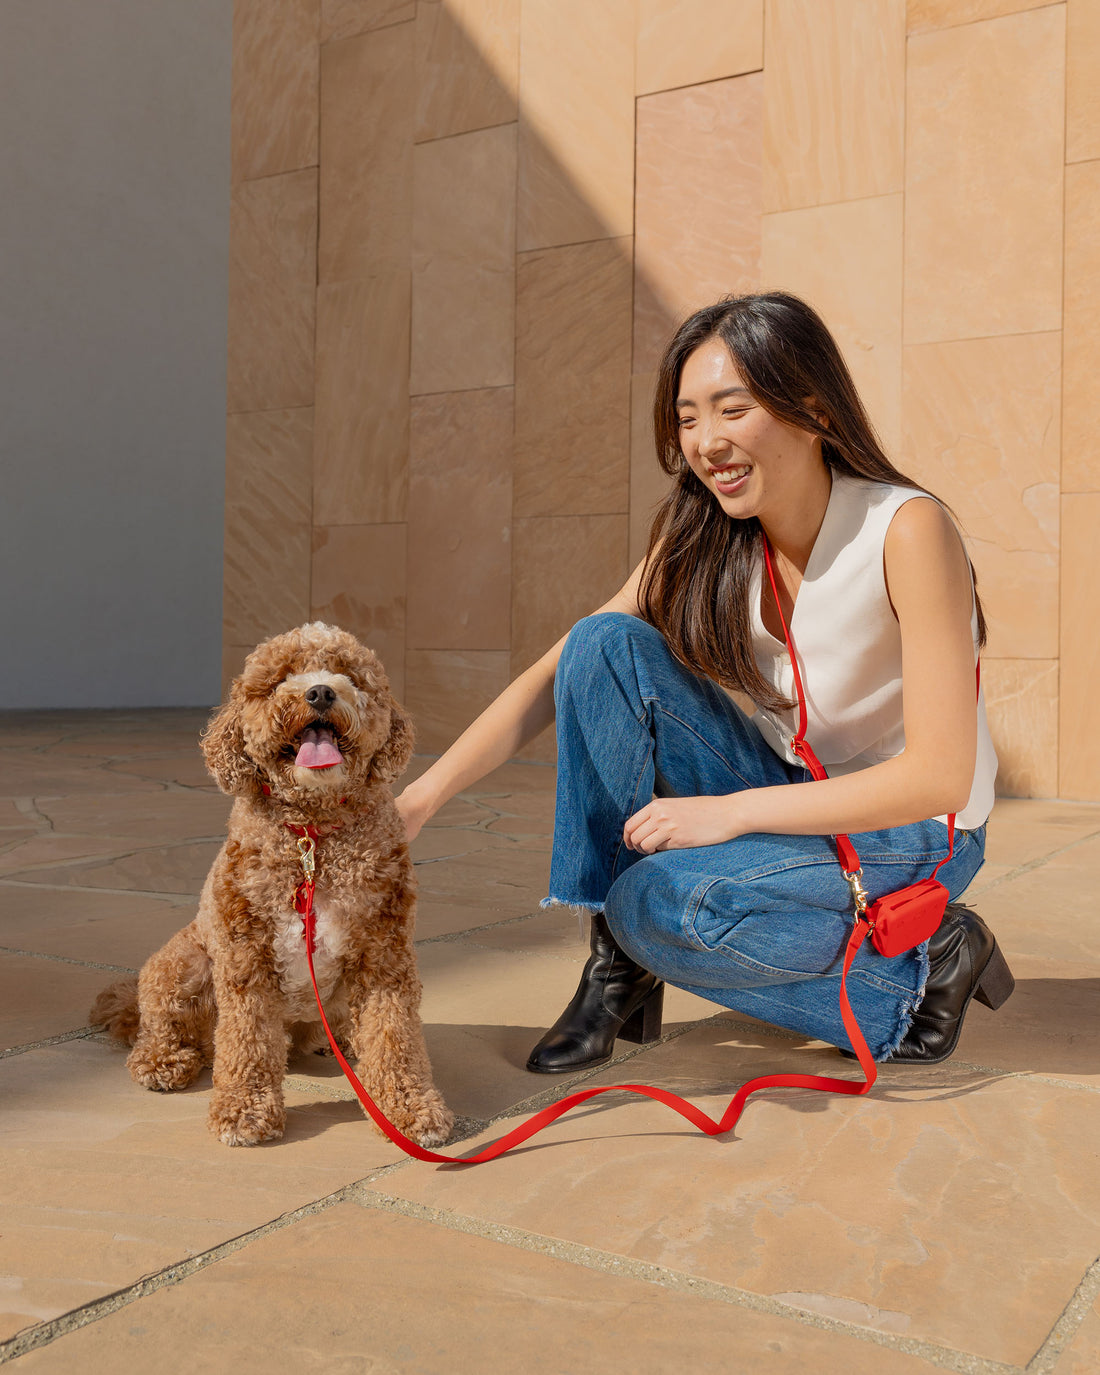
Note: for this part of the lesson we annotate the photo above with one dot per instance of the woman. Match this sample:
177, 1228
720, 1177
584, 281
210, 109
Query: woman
690, 831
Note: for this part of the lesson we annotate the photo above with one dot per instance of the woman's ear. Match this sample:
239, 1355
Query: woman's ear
393, 757
223, 749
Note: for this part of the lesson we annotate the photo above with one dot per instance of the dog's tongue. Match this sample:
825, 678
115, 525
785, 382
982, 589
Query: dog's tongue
318, 749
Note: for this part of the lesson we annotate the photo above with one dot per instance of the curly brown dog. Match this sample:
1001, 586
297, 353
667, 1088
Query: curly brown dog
309, 736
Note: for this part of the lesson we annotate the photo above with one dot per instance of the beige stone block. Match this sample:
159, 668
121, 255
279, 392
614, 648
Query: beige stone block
272, 288
268, 494
467, 65
834, 101
367, 95
1081, 333
179, 867
1021, 698
846, 261
460, 519
1082, 93
573, 322
233, 657
464, 263
706, 138
346, 18
576, 124
981, 423
449, 1299
447, 689
944, 14
102, 928
686, 42
563, 568
359, 584
44, 997
1079, 742
986, 1263
983, 195
648, 480
273, 110
361, 437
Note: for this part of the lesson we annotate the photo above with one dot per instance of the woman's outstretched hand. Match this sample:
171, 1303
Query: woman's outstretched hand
679, 823
412, 813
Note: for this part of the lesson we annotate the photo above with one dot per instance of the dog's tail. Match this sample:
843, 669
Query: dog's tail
116, 1010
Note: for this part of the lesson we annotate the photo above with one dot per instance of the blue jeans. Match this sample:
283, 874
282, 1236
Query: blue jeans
758, 924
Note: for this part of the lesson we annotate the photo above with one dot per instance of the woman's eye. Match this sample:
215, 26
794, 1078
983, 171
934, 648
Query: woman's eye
684, 420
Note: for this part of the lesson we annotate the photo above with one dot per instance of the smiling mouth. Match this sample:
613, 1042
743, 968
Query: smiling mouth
731, 476
317, 748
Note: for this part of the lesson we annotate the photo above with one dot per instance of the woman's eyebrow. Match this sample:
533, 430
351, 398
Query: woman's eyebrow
717, 396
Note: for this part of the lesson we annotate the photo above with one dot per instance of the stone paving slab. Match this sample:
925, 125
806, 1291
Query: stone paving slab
103, 928
359, 1290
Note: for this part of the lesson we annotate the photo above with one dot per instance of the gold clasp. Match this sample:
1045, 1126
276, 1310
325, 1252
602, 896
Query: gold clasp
860, 895
306, 850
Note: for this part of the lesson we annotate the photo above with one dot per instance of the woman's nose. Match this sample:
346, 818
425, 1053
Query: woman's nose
711, 441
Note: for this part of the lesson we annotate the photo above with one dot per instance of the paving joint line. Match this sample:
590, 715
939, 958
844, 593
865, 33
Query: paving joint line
1070, 1319
1032, 864
79, 1034
611, 1263
68, 959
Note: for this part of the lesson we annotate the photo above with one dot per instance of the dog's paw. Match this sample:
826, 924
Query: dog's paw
426, 1119
246, 1118
167, 1070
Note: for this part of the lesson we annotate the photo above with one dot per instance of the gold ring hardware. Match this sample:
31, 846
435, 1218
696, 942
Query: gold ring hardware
860, 895
306, 849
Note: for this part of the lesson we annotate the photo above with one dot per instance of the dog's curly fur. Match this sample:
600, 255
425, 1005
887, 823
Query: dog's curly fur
232, 988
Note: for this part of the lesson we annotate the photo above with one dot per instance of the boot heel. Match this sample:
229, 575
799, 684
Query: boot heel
644, 1023
996, 982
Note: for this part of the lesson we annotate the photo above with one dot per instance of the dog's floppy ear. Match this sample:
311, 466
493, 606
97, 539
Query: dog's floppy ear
224, 752
393, 757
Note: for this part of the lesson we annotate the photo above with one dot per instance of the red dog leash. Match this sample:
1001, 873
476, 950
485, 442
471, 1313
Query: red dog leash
303, 904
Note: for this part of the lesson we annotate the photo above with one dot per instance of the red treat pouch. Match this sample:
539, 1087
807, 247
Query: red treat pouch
903, 919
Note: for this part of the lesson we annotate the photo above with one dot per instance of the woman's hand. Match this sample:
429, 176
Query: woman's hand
412, 810
679, 823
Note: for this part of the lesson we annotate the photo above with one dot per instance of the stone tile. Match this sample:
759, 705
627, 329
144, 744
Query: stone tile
35, 775
28, 858
460, 520
834, 101
505, 879
447, 689
178, 815
1022, 831
114, 1182
359, 584
105, 928
707, 138
1021, 697
1081, 334
686, 42
648, 480
233, 657
981, 425
573, 324
464, 265
467, 65
846, 260
44, 997
268, 489
367, 95
563, 568
576, 126
1079, 749
153, 869
1082, 102
943, 14
1066, 933
184, 767
1082, 1355
361, 448
272, 286
345, 18
983, 214
275, 87
444, 1299
970, 1188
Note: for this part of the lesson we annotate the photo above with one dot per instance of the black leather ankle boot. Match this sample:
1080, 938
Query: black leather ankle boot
615, 997
965, 962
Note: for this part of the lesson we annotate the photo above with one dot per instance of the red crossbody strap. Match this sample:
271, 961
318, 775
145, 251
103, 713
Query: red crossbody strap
846, 851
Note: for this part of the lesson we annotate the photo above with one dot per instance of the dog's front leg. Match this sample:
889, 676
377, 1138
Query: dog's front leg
249, 1053
388, 1040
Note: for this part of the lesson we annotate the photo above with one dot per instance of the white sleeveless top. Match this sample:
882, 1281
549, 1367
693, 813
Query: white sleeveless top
849, 647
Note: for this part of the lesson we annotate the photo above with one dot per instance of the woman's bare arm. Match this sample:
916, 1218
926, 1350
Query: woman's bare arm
929, 583
522, 710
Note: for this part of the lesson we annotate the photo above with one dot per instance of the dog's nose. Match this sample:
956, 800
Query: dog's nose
320, 697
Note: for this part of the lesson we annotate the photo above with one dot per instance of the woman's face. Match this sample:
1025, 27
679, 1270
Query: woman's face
754, 463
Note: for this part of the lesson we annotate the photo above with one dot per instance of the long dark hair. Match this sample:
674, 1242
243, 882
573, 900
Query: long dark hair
699, 562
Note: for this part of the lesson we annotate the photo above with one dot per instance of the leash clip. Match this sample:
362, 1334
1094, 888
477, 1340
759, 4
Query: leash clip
860, 894
306, 850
